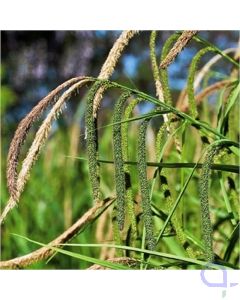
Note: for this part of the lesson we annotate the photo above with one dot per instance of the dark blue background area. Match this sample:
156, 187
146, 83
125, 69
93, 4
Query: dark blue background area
35, 62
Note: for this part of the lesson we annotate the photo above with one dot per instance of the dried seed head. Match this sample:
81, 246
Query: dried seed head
110, 63
34, 150
182, 41
22, 131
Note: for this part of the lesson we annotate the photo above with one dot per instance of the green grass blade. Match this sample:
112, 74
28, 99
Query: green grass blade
92, 260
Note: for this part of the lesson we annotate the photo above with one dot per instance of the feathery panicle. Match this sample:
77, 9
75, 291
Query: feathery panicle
144, 186
22, 131
120, 176
191, 76
38, 142
182, 41
204, 194
110, 63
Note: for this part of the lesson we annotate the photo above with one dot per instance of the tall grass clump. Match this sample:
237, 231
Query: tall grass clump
169, 169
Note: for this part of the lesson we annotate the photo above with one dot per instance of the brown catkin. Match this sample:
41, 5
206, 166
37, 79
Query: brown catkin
36, 146
110, 64
182, 41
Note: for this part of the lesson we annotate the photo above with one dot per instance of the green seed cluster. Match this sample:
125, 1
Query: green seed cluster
204, 194
129, 196
152, 45
160, 140
163, 72
144, 186
92, 142
120, 176
190, 81
165, 84
116, 233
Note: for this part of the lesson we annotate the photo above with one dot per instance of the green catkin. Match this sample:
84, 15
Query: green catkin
116, 233
204, 202
190, 81
222, 155
155, 69
160, 141
165, 85
152, 44
144, 186
163, 72
92, 142
120, 176
129, 195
